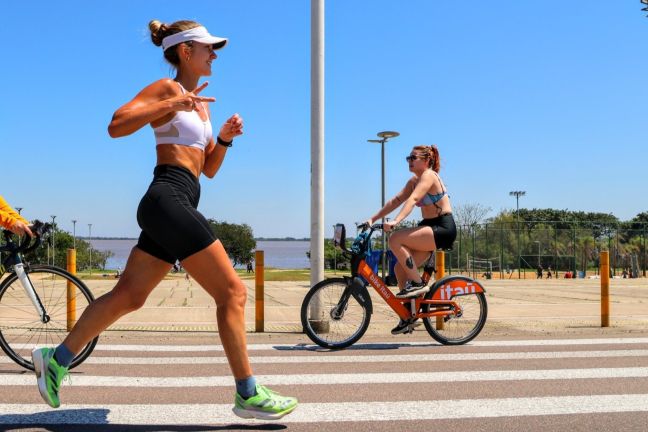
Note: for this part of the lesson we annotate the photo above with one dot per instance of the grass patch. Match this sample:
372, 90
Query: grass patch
284, 275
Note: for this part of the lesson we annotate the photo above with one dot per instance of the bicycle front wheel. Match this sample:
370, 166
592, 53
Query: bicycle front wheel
458, 330
64, 298
331, 317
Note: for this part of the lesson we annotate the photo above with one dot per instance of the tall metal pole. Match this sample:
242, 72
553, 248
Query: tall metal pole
384, 137
517, 195
317, 142
382, 204
74, 233
53, 241
90, 246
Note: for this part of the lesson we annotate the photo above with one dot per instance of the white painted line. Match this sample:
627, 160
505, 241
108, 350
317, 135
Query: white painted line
351, 378
206, 414
394, 343
325, 358
364, 345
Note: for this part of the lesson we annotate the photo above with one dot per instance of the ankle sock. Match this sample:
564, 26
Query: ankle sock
246, 387
63, 356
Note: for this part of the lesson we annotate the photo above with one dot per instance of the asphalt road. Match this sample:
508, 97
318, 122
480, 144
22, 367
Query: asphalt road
593, 380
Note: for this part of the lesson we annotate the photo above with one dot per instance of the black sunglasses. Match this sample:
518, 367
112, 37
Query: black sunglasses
411, 158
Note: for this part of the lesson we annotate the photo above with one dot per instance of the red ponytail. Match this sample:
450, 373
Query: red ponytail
431, 153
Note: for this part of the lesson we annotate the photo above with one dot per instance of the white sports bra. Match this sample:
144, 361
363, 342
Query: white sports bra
185, 128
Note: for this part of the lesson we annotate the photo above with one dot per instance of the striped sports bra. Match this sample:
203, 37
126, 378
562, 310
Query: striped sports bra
186, 128
433, 199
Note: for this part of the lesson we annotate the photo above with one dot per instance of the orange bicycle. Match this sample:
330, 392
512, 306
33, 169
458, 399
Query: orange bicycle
336, 312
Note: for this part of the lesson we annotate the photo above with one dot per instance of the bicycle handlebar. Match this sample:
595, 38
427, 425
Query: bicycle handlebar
364, 226
38, 228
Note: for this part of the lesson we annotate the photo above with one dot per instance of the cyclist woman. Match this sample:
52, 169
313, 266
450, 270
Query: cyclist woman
412, 246
172, 228
11, 220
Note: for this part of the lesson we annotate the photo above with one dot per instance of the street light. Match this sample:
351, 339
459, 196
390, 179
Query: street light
19, 209
90, 247
53, 242
517, 195
74, 233
385, 136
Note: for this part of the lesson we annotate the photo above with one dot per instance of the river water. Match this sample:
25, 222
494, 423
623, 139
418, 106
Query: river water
277, 253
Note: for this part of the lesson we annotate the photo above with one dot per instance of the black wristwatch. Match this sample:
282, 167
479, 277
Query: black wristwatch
224, 143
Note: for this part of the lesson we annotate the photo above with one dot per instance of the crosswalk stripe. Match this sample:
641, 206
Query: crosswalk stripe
322, 358
351, 378
361, 345
195, 414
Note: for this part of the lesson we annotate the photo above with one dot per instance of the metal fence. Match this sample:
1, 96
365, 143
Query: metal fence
510, 250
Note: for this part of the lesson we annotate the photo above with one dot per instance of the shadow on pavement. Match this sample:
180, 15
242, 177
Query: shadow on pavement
96, 420
367, 346
139, 428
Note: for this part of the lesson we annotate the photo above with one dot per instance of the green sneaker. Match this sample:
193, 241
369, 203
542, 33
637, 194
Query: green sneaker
49, 375
265, 405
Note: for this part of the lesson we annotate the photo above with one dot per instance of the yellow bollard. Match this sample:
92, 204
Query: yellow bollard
71, 290
605, 289
258, 292
439, 272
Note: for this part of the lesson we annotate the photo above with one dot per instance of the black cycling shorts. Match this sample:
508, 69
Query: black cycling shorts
172, 228
444, 228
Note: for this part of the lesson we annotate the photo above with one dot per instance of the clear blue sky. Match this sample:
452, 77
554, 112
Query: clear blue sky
548, 97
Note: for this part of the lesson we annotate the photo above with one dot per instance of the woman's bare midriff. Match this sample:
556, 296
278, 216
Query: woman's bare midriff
178, 155
431, 211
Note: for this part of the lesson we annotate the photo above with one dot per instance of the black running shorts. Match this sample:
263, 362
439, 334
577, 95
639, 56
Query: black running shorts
172, 228
444, 228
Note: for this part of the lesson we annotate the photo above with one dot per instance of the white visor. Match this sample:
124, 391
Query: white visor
198, 34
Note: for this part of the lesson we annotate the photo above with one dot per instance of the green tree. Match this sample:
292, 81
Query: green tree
63, 241
333, 257
237, 240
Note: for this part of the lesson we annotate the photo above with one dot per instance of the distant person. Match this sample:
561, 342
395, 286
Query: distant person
250, 269
12, 220
412, 246
172, 227
539, 272
549, 275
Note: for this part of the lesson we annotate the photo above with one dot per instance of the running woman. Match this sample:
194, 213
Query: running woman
412, 246
11, 219
172, 228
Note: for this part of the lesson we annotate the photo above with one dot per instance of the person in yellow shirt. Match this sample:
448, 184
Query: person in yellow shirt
11, 220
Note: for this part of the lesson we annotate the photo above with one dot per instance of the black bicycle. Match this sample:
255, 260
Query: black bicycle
39, 304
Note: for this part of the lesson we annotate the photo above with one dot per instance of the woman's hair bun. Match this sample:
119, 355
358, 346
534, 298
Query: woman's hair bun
158, 31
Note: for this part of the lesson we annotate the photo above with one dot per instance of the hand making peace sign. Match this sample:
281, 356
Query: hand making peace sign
187, 101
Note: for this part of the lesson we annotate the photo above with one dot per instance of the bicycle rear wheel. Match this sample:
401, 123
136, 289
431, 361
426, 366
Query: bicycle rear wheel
21, 328
331, 317
458, 330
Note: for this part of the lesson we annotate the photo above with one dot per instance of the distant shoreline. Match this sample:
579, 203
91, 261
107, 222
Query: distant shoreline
281, 239
257, 239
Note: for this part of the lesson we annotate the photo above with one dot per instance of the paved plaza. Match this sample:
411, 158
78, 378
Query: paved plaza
514, 307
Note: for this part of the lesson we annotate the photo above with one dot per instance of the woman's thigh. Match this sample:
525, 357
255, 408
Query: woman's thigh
142, 274
212, 269
416, 239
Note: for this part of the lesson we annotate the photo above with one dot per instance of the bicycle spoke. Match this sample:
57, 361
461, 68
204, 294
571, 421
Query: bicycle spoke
22, 328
